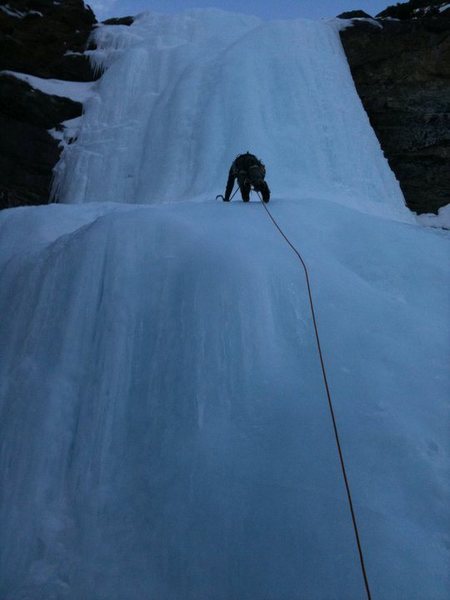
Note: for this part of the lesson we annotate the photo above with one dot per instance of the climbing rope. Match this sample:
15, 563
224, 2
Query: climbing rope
330, 402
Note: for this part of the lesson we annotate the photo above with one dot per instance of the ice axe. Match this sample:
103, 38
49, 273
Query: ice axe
220, 196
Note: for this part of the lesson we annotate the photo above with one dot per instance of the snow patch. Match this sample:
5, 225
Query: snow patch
13, 12
423, 11
78, 91
442, 219
343, 24
72, 53
67, 132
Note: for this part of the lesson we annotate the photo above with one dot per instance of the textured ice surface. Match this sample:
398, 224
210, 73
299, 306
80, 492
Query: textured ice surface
184, 94
163, 424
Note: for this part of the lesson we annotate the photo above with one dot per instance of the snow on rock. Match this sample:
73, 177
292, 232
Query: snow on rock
425, 10
18, 14
78, 91
164, 426
340, 24
11, 12
67, 131
442, 219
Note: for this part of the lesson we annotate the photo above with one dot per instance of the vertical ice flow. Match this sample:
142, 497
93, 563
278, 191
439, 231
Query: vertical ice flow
182, 95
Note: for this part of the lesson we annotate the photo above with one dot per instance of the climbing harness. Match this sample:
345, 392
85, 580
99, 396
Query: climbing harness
330, 402
236, 191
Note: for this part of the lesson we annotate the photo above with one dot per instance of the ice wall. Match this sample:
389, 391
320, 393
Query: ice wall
164, 430
164, 424
182, 95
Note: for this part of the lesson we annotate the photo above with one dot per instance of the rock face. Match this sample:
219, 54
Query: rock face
354, 14
402, 74
45, 39
413, 9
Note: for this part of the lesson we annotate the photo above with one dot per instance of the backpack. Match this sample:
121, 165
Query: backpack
244, 162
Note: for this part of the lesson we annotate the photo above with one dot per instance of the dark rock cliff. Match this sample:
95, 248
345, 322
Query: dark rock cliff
402, 74
46, 39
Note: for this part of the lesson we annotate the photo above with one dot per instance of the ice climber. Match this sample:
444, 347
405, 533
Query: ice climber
250, 173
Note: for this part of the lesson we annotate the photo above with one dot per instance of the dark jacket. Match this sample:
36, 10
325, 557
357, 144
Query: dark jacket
246, 168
